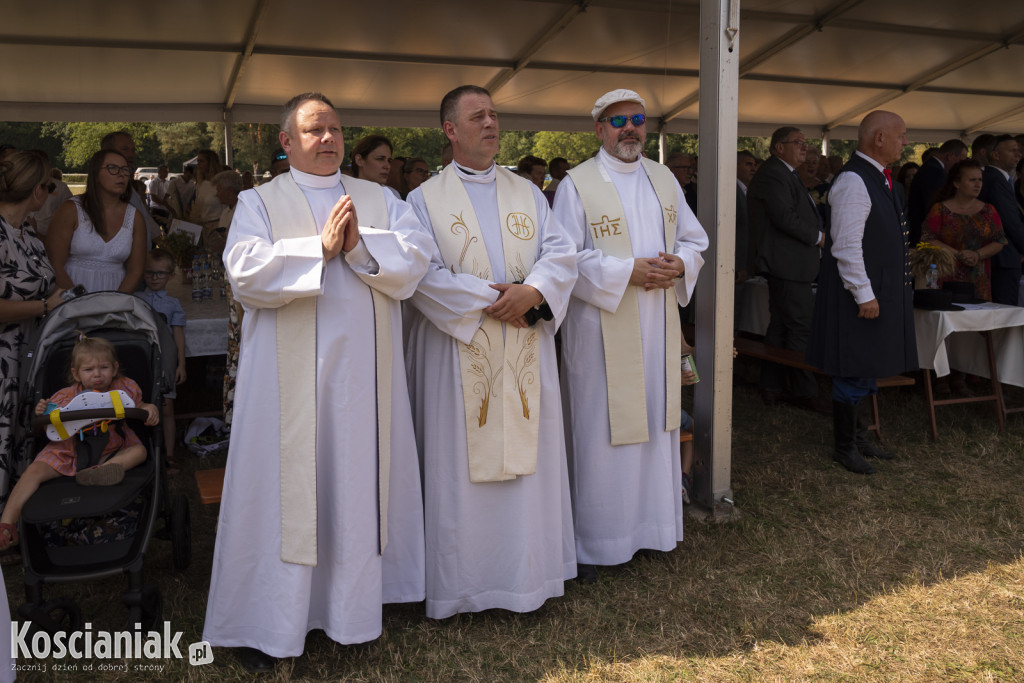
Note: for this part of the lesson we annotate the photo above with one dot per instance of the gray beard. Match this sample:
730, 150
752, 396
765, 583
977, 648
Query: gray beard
628, 150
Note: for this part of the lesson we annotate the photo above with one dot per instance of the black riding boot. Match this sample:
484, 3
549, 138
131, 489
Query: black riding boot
865, 444
844, 427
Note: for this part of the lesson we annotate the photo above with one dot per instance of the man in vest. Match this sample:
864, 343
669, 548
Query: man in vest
639, 255
321, 516
864, 311
486, 402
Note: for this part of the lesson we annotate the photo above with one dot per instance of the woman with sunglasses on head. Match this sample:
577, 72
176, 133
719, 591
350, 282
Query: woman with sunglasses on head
26, 283
98, 240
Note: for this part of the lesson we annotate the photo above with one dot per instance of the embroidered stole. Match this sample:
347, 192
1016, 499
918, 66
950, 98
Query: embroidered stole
623, 349
501, 362
291, 217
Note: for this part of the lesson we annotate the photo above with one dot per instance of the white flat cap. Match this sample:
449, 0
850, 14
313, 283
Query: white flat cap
609, 98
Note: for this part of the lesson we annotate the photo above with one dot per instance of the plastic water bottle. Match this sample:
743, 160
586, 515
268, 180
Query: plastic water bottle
197, 280
931, 278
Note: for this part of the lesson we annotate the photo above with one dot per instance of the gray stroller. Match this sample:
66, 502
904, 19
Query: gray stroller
52, 555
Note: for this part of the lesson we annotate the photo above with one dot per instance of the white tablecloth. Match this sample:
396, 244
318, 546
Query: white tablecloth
940, 348
206, 323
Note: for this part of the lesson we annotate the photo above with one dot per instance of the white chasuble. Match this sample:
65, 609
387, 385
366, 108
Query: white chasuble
291, 217
623, 352
501, 365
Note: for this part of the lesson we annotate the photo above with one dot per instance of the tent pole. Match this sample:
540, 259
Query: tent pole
229, 152
717, 130
662, 152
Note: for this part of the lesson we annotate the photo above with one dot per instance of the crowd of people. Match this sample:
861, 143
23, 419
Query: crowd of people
431, 443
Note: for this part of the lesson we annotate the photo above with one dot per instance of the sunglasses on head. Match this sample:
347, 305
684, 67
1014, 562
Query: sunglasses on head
281, 156
49, 187
619, 121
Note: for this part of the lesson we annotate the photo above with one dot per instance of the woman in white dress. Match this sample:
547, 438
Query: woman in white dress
98, 240
206, 208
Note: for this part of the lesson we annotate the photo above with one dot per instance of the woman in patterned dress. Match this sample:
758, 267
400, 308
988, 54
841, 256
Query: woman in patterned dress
966, 227
27, 290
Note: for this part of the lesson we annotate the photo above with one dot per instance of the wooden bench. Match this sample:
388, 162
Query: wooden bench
795, 359
210, 483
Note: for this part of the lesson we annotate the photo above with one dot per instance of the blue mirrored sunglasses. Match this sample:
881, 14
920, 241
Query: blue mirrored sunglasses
619, 121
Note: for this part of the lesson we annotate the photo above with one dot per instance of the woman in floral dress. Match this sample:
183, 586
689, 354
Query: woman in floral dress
27, 290
967, 227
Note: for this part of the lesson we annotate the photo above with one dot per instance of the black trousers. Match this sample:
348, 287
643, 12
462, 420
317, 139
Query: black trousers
1005, 285
791, 305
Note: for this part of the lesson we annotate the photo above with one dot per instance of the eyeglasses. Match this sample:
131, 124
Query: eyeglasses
688, 168
799, 143
619, 121
280, 156
49, 187
159, 274
114, 169
420, 171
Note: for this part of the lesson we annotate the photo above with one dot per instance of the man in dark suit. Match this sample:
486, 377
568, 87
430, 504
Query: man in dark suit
997, 190
783, 213
746, 243
928, 181
864, 312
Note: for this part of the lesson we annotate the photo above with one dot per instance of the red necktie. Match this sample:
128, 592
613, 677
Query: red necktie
888, 178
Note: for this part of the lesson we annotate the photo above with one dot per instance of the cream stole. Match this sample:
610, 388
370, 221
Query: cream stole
291, 217
623, 351
501, 362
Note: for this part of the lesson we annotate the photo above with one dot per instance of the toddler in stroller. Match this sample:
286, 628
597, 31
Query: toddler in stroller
94, 367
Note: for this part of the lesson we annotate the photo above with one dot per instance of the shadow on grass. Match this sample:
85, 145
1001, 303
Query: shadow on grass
814, 542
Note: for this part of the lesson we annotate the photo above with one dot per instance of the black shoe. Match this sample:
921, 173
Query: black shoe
255, 661
844, 427
865, 446
586, 573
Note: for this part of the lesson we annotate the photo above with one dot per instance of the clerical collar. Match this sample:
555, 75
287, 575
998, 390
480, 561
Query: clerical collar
316, 181
469, 175
618, 165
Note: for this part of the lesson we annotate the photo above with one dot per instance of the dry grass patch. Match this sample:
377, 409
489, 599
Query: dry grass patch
912, 574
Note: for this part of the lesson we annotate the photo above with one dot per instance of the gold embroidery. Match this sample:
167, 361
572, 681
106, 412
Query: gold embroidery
459, 227
480, 365
671, 214
606, 227
522, 371
520, 225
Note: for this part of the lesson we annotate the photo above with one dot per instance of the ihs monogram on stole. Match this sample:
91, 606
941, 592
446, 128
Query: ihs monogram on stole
606, 227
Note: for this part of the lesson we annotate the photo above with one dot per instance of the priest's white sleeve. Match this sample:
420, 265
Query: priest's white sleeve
554, 272
453, 302
392, 261
691, 241
602, 279
264, 273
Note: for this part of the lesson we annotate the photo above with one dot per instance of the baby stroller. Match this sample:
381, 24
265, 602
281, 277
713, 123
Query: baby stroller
50, 553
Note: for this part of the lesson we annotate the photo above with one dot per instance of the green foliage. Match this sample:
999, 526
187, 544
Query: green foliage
425, 143
253, 144
575, 147
179, 142
32, 136
515, 144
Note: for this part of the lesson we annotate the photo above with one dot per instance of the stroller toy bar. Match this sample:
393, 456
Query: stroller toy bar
111, 403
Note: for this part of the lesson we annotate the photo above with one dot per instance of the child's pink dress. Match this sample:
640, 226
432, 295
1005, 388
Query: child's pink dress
60, 455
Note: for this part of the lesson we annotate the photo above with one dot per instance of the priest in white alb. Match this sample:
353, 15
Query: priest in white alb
321, 516
639, 255
484, 381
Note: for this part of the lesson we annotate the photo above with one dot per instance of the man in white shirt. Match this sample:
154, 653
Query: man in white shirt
863, 325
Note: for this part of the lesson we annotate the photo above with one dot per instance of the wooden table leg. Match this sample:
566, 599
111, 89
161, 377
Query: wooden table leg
931, 402
997, 389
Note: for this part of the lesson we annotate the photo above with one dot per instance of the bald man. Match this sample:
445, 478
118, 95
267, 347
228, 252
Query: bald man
864, 312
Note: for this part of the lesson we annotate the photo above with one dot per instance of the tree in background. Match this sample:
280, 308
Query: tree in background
575, 147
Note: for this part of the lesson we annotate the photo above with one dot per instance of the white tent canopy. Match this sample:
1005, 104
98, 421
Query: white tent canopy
950, 68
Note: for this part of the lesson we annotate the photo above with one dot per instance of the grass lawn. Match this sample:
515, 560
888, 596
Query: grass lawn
914, 573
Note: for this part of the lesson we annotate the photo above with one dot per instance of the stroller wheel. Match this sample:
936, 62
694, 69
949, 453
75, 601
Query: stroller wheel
181, 532
52, 616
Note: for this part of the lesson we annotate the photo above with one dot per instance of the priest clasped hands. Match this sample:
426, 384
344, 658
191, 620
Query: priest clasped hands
341, 231
513, 302
656, 273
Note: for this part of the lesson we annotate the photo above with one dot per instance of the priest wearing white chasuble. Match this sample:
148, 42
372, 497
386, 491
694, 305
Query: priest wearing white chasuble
639, 255
481, 357
321, 516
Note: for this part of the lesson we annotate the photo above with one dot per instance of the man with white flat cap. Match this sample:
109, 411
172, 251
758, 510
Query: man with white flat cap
639, 252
